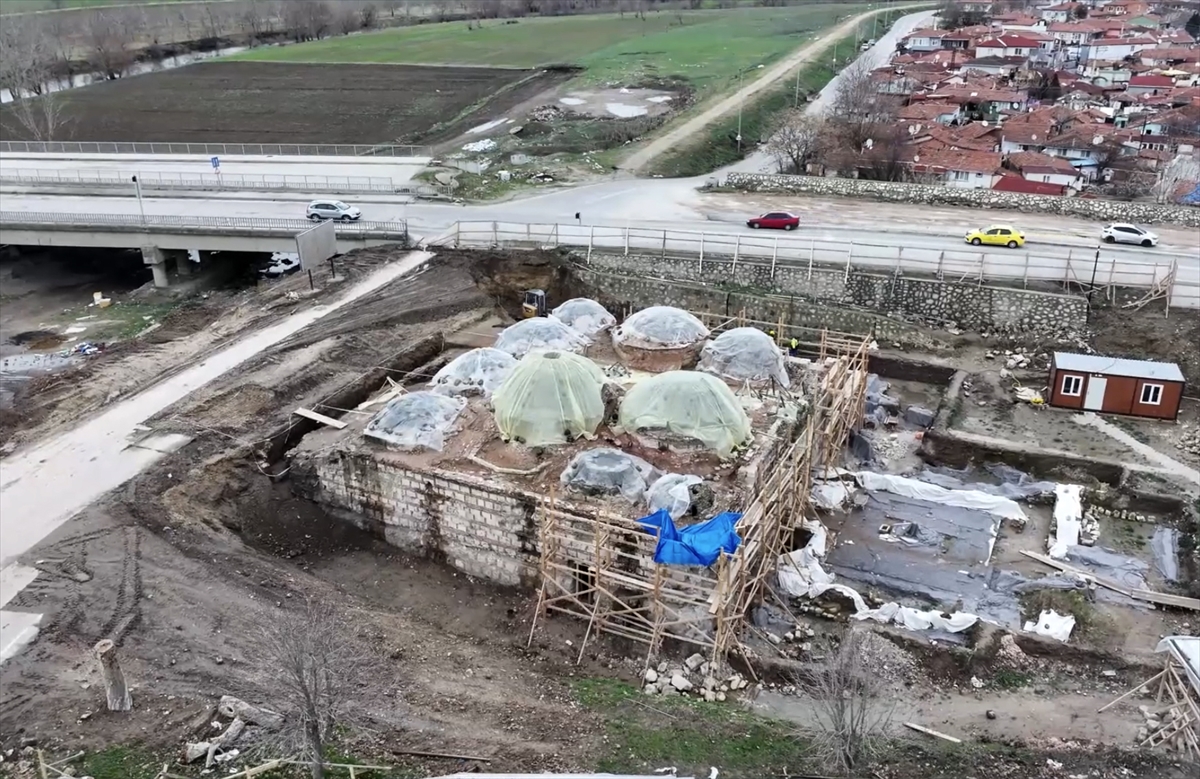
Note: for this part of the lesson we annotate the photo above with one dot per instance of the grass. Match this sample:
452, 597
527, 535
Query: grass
1007, 679
642, 734
1090, 625
706, 48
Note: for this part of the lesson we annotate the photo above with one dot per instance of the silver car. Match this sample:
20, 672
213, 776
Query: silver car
332, 209
1127, 233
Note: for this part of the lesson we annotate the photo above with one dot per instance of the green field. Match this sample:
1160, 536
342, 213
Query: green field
706, 48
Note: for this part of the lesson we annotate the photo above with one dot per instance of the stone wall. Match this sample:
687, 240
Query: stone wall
829, 297
1085, 208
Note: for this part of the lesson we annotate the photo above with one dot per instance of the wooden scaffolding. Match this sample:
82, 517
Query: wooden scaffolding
1176, 697
600, 568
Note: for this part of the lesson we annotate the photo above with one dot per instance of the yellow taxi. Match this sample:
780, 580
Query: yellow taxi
997, 235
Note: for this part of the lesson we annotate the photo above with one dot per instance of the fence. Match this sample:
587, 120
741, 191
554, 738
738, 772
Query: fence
216, 224
1067, 267
214, 149
331, 185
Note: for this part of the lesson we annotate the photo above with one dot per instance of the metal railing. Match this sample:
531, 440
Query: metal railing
328, 185
215, 149
712, 256
198, 224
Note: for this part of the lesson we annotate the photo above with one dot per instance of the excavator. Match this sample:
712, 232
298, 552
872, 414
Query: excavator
534, 304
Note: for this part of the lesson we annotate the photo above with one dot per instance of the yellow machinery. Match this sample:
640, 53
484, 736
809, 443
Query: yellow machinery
534, 304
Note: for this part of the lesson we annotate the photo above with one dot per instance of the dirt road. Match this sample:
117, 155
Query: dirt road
679, 135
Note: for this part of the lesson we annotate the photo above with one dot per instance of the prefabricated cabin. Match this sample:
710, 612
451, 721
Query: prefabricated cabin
1111, 385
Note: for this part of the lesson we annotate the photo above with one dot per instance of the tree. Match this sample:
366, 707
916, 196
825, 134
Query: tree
1193, 25
315, 666
27, 63
1081, 11
1181, 170
109, 40
796, 141
851, 717
857, 108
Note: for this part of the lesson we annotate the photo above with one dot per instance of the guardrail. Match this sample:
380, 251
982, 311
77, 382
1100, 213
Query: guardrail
215, 149
329, 185
215, 224
1076, 267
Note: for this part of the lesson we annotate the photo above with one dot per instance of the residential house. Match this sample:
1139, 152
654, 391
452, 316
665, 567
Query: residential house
1015, 183
1130, 8
981, 102
1019, 23
957, 40
924, 40
1114, 49
1007, 46
1074, 34
1082, 147
1149, 85
1181, 125
1106, 74
925, 112
1062, 12
1019, 137
994, 66
1035, 166
1167, 56
961, 169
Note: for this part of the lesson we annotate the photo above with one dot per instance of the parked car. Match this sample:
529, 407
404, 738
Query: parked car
282, 264
776, 220
1127, 233
997, 235
332, 209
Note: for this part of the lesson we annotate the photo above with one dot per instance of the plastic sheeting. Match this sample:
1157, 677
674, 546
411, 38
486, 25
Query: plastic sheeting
585, 316
539, 334
660, 326
1068, 519
416, 420
477, 372
1052, 624
1002, 507
1186, 650
1013, 483
608, 471
744, 354
700, 544
671, 492
687, 403
550, 398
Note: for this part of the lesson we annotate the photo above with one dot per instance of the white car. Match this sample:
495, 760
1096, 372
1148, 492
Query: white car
1127, 233
332, 209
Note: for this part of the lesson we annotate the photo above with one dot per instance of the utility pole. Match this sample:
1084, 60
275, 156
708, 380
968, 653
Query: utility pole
741, 104
797, 98
137, 187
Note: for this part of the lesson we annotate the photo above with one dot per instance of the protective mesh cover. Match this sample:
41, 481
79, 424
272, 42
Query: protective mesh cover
416, 420
584, 316
477, 372
660, 326
540, 334
550, 398
687, 403
671, 492
744, 354
608, 471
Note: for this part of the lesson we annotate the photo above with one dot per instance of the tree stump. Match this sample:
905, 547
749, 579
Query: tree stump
114, 681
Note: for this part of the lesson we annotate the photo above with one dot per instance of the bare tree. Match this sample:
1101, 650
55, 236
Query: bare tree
109, 40
369, 16
28, 58
857, 107
1179, 171
315, 666
307, 20
850, 714
796, 141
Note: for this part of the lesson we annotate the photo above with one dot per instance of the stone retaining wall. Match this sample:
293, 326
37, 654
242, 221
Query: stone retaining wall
1085, 208
829, 297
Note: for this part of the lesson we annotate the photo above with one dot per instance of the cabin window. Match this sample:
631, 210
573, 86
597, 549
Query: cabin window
1072, 385
1152, 394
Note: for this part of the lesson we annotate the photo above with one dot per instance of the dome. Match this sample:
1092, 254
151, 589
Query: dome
539, 334
584, 316
688, 404
744, 354
479, 371
660, 327
550, 398
608, 471
416, 420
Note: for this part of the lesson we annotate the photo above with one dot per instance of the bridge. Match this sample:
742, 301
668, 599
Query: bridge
155, 235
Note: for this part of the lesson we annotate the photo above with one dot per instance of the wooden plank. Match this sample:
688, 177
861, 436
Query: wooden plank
932, 732
336, 424
1164, 599
1050, 561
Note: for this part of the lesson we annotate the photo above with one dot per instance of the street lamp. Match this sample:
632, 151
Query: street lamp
137, 187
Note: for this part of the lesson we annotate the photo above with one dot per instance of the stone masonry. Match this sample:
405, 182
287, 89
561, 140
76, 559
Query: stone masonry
859, 302
925, 194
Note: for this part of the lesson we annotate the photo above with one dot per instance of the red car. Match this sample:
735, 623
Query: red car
776, 220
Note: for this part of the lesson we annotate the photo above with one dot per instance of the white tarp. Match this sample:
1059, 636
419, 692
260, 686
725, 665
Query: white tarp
1068, 519
996, 505
801, 576
1052, 624
1186, 649
831, 495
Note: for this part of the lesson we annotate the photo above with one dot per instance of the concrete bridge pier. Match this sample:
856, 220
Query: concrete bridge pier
183, 265
157, 260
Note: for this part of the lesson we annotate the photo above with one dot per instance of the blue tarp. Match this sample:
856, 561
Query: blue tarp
1191, 198
698, 544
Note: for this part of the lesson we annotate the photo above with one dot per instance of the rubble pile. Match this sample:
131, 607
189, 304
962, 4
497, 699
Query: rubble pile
694, 677
1189, 440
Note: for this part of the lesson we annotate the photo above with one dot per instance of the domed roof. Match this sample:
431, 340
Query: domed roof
550, 398
416, 420
660, 327
479, 371
690, 404
539, 334
585, 316
744, 354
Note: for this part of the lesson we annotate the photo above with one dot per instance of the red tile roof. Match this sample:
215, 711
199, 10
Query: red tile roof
1036, 162
1157, 82
969, 161
1007, 42
1026, 187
